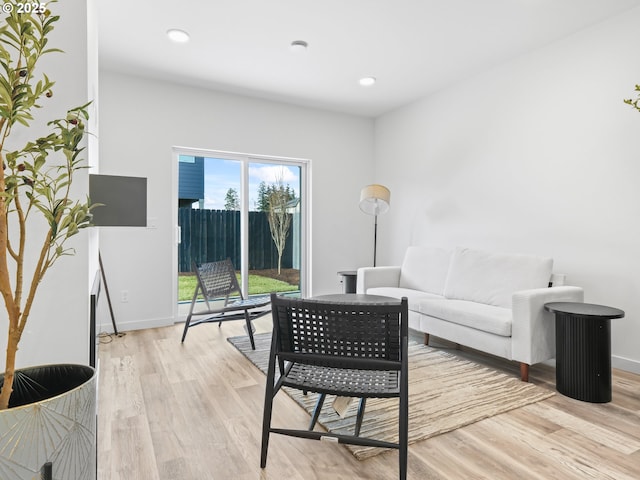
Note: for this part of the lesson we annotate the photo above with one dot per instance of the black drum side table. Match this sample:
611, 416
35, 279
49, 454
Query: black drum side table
349, 279
583, 349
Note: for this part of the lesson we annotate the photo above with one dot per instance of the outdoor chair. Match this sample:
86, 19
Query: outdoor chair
347, 350
217, 282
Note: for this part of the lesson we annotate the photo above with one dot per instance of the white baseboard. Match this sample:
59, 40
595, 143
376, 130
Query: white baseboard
626, 364
136, 325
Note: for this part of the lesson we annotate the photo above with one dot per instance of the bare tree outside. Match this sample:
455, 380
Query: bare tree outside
275, 200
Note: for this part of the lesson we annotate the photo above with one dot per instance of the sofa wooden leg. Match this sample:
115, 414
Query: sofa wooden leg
426, 339
524, 372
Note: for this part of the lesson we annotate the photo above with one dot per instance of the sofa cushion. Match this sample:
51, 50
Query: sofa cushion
425, 268
492, 278
413, 296
488, 318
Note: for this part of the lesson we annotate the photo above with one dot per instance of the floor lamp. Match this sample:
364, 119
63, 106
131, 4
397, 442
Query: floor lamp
122, 203
374, 200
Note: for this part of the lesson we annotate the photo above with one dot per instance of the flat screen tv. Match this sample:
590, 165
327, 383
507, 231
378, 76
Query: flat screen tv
124, 200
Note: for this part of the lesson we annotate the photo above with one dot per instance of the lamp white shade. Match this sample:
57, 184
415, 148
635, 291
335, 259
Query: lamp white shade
374, 199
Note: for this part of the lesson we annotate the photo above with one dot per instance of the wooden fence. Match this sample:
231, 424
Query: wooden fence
212, 235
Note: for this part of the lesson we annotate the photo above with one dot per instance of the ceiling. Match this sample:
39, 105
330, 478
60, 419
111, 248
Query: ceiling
412, 47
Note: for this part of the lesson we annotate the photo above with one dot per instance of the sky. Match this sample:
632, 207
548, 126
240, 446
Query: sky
221, 175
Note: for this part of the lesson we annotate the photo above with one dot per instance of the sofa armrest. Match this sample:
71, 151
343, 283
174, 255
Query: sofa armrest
533, 332
369, 277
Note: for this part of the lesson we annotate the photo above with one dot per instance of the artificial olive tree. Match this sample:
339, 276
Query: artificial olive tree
36, 179
635, 103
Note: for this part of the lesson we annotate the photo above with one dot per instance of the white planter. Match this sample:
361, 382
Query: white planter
60, 427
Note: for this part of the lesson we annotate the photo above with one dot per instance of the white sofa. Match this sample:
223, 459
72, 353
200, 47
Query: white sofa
492, 302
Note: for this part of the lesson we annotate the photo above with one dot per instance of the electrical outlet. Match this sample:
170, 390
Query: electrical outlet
124, 296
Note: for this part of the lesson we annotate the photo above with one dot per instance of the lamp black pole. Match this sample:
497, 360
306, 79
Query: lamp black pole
375, 238
374, 199
106, 289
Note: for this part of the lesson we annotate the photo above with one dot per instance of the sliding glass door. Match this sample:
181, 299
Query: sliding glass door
249, 209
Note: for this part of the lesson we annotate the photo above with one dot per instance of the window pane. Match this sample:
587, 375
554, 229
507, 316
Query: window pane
274, 224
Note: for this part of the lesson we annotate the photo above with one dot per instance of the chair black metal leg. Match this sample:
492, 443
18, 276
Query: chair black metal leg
186, 327
403, 440
403, 421
361, 407
247, 319
268, 406
188, 322
403, 453
316, 411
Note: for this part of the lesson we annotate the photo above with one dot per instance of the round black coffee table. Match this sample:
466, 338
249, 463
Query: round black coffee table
354, 298
583, 349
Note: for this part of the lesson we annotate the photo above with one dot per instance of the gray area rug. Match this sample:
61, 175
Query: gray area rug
445, 393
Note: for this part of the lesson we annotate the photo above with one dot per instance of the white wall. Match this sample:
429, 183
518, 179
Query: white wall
58, 327
141, 120
537, 156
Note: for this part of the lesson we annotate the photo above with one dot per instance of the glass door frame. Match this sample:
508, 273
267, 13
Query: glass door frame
245, 160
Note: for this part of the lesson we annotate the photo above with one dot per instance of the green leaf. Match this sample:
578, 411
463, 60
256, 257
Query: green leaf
22, 120
40, 161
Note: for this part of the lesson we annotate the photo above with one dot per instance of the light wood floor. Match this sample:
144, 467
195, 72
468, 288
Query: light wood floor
194, 411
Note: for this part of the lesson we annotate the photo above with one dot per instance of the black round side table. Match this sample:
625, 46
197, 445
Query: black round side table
349, 278
583, 349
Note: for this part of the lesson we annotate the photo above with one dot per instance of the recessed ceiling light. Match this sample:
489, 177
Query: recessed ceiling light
299, 46
178, 36
367, 81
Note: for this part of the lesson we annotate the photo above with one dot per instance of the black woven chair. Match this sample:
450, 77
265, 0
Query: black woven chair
350, 350
217, 282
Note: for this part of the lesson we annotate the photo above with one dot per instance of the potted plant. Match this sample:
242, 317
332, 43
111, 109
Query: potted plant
37, 217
